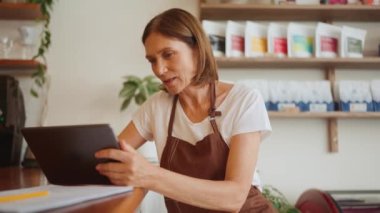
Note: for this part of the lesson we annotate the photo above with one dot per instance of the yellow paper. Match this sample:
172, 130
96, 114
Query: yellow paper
23, 196
59, 196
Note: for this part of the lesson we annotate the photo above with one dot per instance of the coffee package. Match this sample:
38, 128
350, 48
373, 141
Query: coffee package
235, 39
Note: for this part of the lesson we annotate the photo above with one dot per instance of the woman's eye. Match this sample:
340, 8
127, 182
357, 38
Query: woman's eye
151, 61
167, 55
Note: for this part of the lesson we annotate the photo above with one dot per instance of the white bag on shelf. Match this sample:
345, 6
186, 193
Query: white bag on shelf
316, 96
355, 96
307, 2
375, 90
285, 96
277, 42
216, 32
234, 39
255, 39
352, 42
327, 40
300, 40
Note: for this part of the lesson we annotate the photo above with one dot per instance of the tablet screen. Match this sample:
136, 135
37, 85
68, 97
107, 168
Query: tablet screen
66, 153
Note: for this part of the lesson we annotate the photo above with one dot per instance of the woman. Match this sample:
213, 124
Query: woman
207, 132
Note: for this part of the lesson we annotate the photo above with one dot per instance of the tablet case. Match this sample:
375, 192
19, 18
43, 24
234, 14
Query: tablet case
66, 153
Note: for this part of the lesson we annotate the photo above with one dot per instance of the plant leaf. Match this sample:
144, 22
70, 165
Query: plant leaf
35, 74
38, 81
138, 88
149, 78
278, 200
128, 90
34, 93
141, 97
125, 103
153, 87
135, 79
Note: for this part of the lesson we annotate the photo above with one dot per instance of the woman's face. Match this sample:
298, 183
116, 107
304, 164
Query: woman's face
172, 61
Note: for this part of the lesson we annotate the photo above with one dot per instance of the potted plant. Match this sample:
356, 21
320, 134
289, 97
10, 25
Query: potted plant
138, 89
278, 200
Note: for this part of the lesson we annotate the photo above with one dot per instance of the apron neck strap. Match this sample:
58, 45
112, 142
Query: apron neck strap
212, 113
172, 115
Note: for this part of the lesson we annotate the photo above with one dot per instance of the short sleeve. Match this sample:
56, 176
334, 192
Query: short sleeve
252, 115
142, 119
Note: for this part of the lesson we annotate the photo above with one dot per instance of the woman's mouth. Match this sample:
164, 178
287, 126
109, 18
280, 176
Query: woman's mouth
169, 81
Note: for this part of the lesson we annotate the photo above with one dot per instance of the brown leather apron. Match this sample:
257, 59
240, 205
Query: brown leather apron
206, 159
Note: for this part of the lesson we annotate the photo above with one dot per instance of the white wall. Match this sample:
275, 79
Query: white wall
97, 42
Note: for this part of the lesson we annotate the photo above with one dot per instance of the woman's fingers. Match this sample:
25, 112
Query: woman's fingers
126, 147
129, 170
116, 173
113, 154
112, 177
118, 182
111, 167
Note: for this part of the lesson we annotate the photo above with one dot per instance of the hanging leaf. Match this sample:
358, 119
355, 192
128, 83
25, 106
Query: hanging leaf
128, 90
33, 93
46, 7
135, 79
149, 78
140, 98
153, 87
138, 89
125, 103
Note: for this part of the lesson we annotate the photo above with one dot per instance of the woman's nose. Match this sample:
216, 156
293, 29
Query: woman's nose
160, 68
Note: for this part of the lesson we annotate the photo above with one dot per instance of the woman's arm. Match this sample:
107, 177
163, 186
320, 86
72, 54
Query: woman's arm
227, 195
131, 136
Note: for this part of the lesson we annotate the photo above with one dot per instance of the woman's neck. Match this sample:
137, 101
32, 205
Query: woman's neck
195, 101
195, 96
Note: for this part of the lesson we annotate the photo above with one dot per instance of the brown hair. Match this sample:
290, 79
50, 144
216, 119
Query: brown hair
180, 24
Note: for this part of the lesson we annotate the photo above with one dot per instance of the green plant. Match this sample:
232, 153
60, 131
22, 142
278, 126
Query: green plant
46, 7
138, 89
278, 200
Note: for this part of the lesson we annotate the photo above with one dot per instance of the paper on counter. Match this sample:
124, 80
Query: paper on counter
58, 196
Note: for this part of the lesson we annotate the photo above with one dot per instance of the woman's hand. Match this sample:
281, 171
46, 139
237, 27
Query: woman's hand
132, 169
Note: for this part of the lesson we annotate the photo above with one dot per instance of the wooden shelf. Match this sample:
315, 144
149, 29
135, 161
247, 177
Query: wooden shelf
321, 63
325, 13
20, 11
18, 67
337, 115
331, 121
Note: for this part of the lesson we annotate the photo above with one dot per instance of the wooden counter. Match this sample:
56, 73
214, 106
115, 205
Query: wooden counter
16, 178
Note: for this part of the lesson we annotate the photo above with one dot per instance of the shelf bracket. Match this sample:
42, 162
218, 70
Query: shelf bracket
332, 129
332, 123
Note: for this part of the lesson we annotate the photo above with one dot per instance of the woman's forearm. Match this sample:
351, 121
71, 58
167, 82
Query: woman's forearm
218, 195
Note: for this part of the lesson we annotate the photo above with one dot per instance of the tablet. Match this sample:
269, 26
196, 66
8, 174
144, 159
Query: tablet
66, 153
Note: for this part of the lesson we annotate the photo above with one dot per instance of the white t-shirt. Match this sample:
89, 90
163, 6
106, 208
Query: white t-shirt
243, 110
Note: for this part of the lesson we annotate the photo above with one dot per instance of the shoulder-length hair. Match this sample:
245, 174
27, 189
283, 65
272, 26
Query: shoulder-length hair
180, 24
